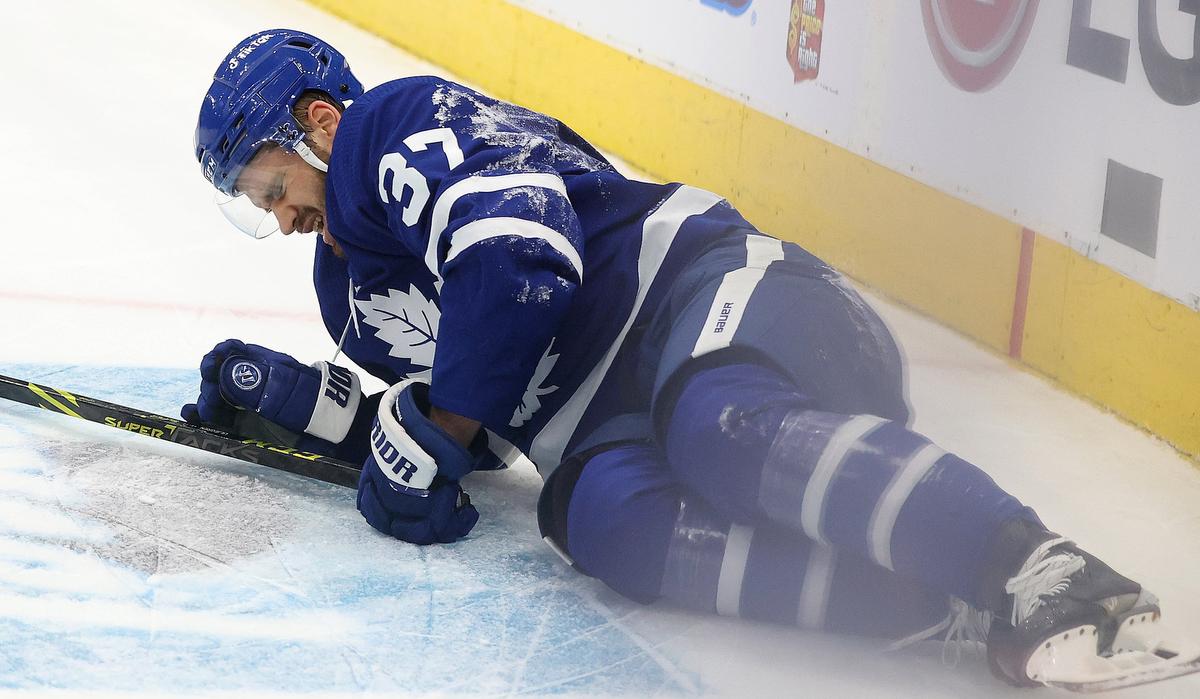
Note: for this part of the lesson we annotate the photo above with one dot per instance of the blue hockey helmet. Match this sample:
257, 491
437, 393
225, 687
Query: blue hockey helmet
250, 101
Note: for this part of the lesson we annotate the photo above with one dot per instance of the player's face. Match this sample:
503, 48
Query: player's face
280, 182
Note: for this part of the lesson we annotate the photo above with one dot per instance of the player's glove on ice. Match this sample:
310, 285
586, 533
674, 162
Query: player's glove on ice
409, 484
320, 400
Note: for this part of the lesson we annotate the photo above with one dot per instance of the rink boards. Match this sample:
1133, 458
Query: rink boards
1046, 297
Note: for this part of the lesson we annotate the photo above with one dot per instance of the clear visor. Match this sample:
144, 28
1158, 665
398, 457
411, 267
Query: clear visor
260, 185
246, 216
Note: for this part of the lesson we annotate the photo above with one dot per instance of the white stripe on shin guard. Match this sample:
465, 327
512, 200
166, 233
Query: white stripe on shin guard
812, 506
814, 593
733, 569
883, 519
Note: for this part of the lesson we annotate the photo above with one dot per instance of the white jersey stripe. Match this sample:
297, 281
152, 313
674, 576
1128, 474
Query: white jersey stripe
814, 592
658, 233
883, 519
817, 488
733, 295
485, 228
475, 185
733, 569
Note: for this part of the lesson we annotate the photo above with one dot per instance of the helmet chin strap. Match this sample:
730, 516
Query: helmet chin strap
310, 157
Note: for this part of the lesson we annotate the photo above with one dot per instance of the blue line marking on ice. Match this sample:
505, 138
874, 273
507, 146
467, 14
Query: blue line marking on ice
128, 564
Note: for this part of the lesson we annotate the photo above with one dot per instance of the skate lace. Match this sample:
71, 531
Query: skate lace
1044, 574
964, 625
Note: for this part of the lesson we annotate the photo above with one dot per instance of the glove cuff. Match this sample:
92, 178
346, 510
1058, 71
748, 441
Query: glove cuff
338, 396
400, 458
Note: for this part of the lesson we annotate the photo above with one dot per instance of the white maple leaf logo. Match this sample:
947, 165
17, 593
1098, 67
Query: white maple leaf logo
531, 401
407, 322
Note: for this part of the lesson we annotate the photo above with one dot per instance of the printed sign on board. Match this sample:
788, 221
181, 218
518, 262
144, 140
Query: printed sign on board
976, 43
804, 38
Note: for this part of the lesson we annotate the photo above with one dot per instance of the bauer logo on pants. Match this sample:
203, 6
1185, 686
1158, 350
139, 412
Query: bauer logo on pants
723, 317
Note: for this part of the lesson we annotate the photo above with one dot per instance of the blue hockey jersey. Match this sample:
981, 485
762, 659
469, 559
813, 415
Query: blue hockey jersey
493, 252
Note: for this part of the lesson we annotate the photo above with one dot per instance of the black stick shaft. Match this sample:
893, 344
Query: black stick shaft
322, 468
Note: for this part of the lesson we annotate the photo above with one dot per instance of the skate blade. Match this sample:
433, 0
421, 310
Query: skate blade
1143, 651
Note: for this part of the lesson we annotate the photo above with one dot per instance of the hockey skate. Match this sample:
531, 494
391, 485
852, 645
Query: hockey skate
1074, 623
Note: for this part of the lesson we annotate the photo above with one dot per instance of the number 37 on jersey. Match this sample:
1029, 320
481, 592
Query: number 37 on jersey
396, 174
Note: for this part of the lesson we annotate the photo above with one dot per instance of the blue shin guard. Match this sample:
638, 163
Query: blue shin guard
747, 441
771, 574
629, 524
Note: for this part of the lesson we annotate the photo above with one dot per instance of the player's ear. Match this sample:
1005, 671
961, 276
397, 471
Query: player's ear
323, 118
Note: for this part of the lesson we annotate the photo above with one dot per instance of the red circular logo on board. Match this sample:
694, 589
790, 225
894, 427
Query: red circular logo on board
976, 42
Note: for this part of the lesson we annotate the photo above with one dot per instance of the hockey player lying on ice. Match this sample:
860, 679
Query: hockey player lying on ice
719, 419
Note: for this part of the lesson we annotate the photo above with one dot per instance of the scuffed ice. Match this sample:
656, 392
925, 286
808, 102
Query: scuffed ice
132, 565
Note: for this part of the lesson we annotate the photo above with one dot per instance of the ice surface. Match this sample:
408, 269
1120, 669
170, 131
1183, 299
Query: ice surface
129, 564
143, 568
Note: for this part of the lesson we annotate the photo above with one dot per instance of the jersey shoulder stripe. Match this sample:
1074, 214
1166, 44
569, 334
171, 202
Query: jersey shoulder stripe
487, 228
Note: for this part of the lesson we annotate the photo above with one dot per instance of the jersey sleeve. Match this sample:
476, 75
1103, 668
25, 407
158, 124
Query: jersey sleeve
475, 189
510, 261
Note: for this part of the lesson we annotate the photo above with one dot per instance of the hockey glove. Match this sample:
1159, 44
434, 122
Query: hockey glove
319, 400
409, 484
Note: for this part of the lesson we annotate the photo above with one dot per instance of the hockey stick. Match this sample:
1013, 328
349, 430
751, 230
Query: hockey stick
322, 468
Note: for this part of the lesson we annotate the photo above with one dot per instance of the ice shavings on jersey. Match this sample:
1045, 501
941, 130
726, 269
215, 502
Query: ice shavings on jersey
533, 137
535, 199
406, 321
539, 294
